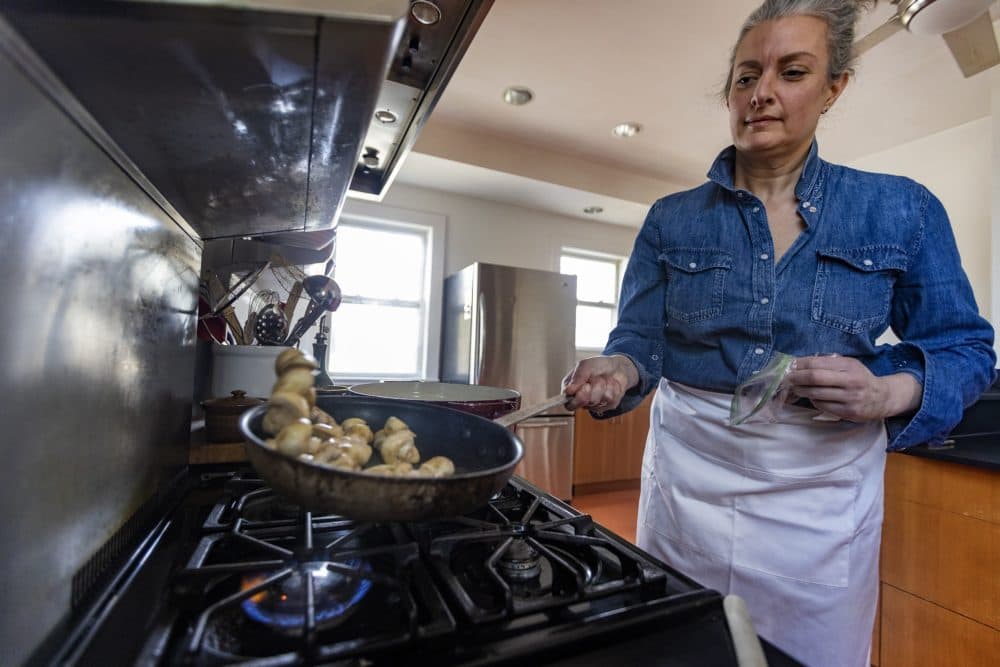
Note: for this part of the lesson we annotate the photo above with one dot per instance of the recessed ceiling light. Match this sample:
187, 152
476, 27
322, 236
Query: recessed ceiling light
517, 95
593, 210
626, 129
385, 116
425, 12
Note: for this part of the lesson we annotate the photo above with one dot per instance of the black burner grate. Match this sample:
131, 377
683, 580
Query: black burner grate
523, 555
267, 584
262, 589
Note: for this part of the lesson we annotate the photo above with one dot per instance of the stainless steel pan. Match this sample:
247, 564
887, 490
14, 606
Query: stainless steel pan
484, 452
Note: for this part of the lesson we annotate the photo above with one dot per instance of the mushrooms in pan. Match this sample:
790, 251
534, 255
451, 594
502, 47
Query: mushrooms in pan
302, 429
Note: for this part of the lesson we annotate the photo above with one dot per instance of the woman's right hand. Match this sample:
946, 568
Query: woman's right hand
599, 383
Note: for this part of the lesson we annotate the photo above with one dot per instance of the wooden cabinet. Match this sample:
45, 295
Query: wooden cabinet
607, 453
940, 591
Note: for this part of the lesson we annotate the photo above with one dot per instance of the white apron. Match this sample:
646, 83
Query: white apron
786, 515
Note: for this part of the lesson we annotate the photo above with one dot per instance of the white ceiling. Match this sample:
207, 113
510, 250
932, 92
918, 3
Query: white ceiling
593, 64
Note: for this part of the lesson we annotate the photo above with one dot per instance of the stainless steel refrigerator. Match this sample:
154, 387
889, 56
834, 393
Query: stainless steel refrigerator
515, 328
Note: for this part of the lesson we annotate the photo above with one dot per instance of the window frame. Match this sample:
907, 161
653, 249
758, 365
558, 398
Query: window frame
619, 263
376, 216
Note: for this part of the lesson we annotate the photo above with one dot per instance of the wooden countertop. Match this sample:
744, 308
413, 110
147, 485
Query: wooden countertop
202, 451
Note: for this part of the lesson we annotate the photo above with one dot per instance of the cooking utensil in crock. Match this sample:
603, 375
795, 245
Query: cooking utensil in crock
488, 402
237, 290
324, 296
484, 452
264, 297
271, 326
210, 327
222, 415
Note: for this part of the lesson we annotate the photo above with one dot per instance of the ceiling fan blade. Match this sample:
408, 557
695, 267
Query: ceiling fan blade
878, 35
974, 46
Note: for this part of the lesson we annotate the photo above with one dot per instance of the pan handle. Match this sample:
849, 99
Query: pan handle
520, 415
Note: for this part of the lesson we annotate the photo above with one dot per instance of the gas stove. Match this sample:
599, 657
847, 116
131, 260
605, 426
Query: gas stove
235, 575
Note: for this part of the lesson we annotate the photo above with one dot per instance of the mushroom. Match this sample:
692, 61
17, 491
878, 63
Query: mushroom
327, 453
399, 446
361, 452
393, 424
326, 432
320, 416
315, 444
284, 408
400, 469
298, 380
293, 439
345, 462
335, 457
362, 431
437, 466
293, 358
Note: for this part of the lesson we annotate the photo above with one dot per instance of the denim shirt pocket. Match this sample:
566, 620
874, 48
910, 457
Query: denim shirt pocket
696, 282
853, 288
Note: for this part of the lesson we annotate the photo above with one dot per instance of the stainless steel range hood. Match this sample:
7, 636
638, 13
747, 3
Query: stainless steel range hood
251, 117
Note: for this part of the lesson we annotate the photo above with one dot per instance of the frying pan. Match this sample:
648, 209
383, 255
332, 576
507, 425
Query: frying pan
484, 453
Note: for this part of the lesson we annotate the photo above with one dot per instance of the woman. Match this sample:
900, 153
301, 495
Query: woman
782, 252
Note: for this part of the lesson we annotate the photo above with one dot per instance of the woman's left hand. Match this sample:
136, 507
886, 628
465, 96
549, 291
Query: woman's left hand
844, 387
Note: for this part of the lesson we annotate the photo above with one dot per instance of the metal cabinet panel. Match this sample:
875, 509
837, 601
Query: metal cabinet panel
96, 361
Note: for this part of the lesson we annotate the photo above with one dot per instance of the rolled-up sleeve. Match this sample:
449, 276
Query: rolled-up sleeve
946, 344
639, 332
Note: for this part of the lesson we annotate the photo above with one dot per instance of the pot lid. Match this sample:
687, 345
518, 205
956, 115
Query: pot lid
237, 399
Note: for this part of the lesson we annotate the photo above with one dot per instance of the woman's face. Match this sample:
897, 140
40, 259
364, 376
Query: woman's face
780, 85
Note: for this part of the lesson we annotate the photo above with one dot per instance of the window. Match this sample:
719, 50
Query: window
598, 280
387, 316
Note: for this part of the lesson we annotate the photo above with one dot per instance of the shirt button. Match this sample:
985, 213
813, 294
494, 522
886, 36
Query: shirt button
764, 255
654, 357
805, 204
693, 265
867, 262
739, 194
759, 350
756, 209
765, 300
812, 209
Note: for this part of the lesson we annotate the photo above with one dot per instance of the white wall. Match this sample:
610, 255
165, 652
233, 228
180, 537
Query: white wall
485, 231
957, 166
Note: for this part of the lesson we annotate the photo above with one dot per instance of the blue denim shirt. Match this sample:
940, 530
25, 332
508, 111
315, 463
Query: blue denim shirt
704, 303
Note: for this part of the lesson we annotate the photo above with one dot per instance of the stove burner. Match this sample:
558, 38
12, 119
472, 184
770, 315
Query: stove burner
270, 585
283, 605
519, 561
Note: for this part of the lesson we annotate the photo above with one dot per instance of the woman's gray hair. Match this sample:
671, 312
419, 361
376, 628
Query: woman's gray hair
839, 16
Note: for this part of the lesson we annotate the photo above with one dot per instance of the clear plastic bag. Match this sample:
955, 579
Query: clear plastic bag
757, 399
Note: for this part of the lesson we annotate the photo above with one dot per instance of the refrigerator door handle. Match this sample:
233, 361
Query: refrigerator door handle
477, 363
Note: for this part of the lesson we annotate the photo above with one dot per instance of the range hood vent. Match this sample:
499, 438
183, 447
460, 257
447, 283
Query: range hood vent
254, 117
